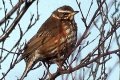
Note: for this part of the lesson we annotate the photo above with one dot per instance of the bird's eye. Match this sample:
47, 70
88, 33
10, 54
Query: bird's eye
65, 14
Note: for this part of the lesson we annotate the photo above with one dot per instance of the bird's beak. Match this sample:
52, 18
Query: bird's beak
75, 12
72, 14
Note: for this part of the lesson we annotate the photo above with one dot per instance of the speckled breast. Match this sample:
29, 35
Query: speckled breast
65, 40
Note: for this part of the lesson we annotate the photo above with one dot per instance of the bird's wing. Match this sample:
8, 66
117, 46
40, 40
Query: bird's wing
43, 35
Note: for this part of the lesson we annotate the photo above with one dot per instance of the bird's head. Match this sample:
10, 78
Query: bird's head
64, 13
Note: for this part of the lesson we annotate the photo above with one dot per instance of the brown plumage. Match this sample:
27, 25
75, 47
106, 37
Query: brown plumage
54, 38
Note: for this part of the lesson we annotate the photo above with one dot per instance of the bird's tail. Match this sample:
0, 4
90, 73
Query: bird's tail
32, 60
19, 59
29, 66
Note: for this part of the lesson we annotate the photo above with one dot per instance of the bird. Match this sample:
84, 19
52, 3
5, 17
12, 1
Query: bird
56, 36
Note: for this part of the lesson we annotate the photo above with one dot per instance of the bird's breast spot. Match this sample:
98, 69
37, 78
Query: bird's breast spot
67, 31
62, 39
65, 26
71, 34
71, 37
69, 40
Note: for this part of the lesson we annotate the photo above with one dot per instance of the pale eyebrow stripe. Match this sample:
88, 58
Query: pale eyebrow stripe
60, 10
